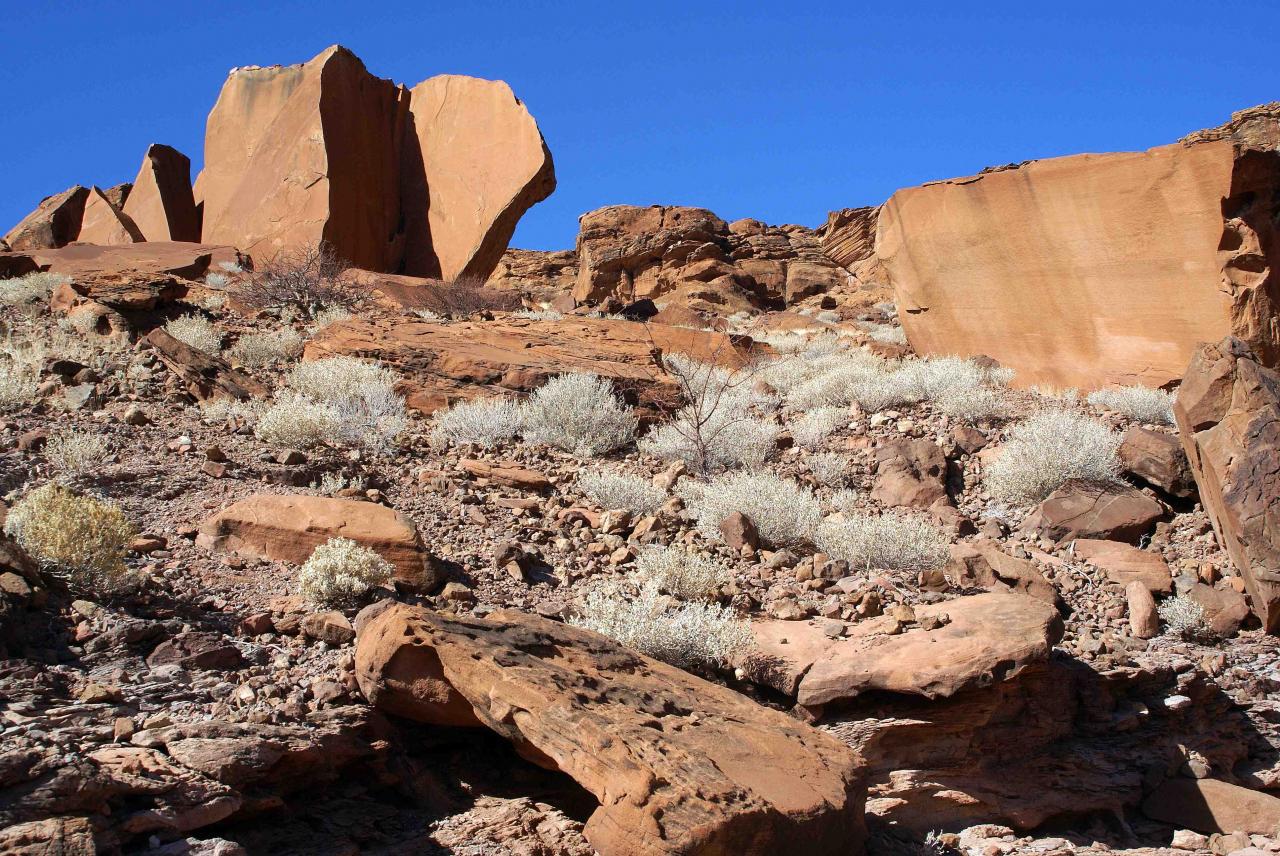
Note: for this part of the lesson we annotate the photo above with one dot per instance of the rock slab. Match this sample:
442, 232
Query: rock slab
161, 203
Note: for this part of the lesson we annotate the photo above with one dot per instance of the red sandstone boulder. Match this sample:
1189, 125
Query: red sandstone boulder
161, 203
1124, 563
54, 223
910, 473
1209, 805
1228, 413
678, 764
474, 162
1158, 460
1082, 509
982, 564
104, 223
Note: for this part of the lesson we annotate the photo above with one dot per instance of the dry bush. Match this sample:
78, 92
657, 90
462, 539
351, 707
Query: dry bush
682, 574
339, 572
829, 468
539, 314
256, 350
76, 453
197, 331
578, 413
307, 279
893, 541
31, 288
332, 315
688, 635
339, 400
461, 298
1185, 619
816, 425
485, 422
1048, 449
1139, 403
229, 410
783, 511
611, 490
887, 333
846, 501
80, 536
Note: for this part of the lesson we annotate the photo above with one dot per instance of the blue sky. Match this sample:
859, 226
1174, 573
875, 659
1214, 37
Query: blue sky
772, 112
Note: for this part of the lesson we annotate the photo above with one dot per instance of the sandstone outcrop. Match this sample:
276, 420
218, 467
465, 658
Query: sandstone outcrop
982, 564
1228, 413
1091, 270
151, 259
1158, 460
54, 223
544, 275
287, 528
204, 375
1124, 563
104, 223
474, 162
849, 240
679, 765
1209, 805
161, 203
303, 153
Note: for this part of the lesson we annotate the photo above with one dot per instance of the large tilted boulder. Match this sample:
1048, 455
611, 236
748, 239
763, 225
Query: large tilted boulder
1228, 413
161, 203
104, 223
475, 161
678, 764
303, 153
1091, 270
54, 223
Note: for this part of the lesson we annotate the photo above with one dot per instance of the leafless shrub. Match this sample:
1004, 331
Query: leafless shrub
1048, 449
306, 278
783, 511
893, 541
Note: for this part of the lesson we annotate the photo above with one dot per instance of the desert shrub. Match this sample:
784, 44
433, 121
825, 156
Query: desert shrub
887, 333
75, 453
80, 536
262, 349
893, 541
485, 422
197, 331
829, 468
816, 425
682, 574
226, 410
307, 279
539, 314
974, 403
30, 288
340, 571
1140, 403
845, 501
216, 280
688, 635
783, 511
1185, 619
334, 482
340, 400
332, 315
621, 491
1046, 450
578, 413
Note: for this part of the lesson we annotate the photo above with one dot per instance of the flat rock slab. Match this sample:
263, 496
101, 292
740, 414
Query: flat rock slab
982, 564
1209, 805
678, 764
1124, 563
986, 638
287, 528
1081, 509
149, 259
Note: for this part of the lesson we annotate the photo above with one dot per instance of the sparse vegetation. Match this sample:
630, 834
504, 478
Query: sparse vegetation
75, 453
829, 468
578, 413
332, 315
783, 512
1046, 450
81, 536
197, 331
816, 425
1185, 619
257, 350
893, 541
612, 490
30, 288
485, 422
340, 400
340, 572
539, 314
1139, 403
306, 279
681, 573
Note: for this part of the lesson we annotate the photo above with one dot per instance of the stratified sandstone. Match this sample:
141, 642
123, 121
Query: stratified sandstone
1228, 413
849, 240
54, 223
678, 764
161, 203
1092, 270
303, 153
105, 224
474, 162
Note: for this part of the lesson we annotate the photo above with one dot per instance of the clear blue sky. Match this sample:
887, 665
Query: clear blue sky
779, 112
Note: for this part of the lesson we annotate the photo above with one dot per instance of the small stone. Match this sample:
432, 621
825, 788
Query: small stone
134, 415
214, 469
122, 729
456, 592
215, 454
291, 458
739, 532
331, 627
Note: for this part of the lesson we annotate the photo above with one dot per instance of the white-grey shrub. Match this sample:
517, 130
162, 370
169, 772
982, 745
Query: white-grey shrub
682, 574
1140, 403
893, 541
829, 468
225, 410
1046, 450
578, 413
197, 331
340, 571
887, 333
816, 425
1185, 619
782, 510
256, 350
328, 316
485, 422
341, 400
612, 490
539, 314
688, 635
76, 452
30, 288
846, 501
729, 438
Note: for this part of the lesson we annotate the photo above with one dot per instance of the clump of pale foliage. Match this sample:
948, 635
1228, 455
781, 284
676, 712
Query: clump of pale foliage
578, 413
1137, 402
80, 536
75, 453
197, 331
893, 541
538, 314
1046, 450
682, 574
340, 400
612, 490
332, 315
340, 571
829, 468
688, 635
226, 410
816, 425
256, 350
30, 288
783, 511
485, 422
887, 333
1184, 618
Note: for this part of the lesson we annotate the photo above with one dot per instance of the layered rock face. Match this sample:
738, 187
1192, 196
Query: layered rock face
849, 240
1092, 270
1228, 413
475, 161
161, 203
727, 775
303, 153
